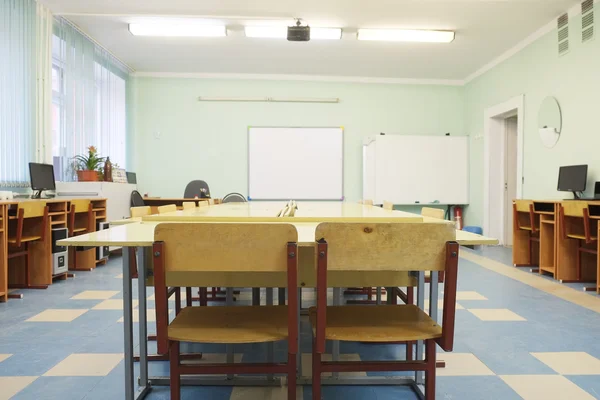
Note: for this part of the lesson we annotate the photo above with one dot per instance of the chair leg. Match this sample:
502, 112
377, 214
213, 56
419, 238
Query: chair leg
291, 376
188, 296
430, 349
174, 371
27, 275
316, 375
409, 351
177, 301
410, 294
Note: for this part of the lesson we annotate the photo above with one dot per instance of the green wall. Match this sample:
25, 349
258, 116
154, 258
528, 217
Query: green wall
202, 140
537, 72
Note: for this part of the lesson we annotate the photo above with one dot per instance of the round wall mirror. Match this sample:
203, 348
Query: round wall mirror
549, 122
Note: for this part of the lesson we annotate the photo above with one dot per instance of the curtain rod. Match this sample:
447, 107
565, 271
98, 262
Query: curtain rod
124, 65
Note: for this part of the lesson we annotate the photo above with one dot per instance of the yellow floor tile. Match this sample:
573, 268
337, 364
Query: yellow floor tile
462, 364
4, 356
54, 315
120, 276
112, 304
11, 385
150, 315
570, 363
545, 387
307, 364
469, 295
263, 393
86, 365
95, 295
496, 314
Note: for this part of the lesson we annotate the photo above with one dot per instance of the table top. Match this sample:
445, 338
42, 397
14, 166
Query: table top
57, 199
306, 212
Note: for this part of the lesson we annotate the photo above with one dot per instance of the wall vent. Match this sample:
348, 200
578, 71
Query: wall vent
587, 20
563, 34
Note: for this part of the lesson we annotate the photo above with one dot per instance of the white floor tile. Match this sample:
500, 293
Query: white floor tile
462, 364
496, 314
54, 315
86, 365
11, 385
112, 304
570, 363
150, 315
545, 387
172, 298
95, 295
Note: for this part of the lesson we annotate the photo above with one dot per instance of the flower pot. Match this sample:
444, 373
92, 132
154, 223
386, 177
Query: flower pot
87, 176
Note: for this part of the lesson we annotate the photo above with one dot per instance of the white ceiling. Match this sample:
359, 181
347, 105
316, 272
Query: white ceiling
485, 29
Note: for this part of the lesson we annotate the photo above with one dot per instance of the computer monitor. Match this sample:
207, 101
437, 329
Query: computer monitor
131, 177
572, 179
42, 178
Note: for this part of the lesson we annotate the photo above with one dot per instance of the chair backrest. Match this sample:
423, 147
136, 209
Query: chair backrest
136, 199
523, 205
80, 205
31, 209
188, 205
520, 219
203, 203
196, 189
433, 212
388, 247
203, 254
166, 209
367, 202
140, 211
388, 205
574, 208
234, 198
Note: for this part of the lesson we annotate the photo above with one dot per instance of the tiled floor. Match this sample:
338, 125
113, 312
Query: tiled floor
518, 336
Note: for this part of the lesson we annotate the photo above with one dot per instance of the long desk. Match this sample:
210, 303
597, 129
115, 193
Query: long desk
134, 233
40, 261
555, 254
155, 202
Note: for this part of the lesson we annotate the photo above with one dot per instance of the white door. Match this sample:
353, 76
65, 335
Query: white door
510, 177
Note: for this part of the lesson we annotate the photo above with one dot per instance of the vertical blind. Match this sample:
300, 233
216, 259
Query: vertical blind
17, 90
89, 100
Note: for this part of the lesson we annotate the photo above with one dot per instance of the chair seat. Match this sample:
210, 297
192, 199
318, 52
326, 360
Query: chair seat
384, 323
24, 239
582, 237
238, 324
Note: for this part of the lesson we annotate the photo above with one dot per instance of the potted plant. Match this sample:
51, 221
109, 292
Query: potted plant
88, 166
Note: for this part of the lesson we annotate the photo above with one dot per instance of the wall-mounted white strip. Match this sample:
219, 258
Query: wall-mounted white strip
271, 99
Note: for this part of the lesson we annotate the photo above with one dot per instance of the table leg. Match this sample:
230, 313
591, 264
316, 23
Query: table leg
256, 296
378, 302
270, 345
142, 308
229, 347
419, 376
335, 351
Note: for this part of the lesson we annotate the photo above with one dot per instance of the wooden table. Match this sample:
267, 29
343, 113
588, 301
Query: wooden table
155, 202
132, 233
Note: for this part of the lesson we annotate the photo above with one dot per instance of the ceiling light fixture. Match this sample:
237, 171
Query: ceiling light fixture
406, 35
184, 29
280, 32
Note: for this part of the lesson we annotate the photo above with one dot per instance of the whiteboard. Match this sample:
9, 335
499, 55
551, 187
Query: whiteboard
407, 169
295, 163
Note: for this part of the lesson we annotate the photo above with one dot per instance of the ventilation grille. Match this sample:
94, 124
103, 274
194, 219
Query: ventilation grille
563, 34
587, 20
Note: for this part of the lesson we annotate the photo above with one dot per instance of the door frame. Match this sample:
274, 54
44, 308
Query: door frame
494, 138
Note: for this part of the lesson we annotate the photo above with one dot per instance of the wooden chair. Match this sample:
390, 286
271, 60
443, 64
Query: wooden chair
188, 205
142, 211
81, 221
23, 235
198, 255
388, 205
576, 224
367, 202
203, 203
167, 209
433, 212
524, 219
211, 202
390, 247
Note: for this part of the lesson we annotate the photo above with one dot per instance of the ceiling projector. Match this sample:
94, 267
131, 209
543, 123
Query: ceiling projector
298, 33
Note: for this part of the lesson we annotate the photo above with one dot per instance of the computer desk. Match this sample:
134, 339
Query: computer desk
40, 261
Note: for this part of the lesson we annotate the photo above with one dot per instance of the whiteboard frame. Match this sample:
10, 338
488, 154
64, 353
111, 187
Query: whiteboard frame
295, 127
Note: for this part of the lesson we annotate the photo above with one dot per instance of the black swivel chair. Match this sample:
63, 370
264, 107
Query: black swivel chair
234, 198
136, 199
196, 189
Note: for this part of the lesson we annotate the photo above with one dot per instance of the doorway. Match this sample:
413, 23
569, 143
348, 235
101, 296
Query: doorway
503, 167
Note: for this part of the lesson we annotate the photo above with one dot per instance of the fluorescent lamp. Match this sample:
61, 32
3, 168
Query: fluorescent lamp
280, 32
406, 35
187, 29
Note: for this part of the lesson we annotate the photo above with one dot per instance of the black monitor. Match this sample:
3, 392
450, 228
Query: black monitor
131, 177
572, 178
42, 178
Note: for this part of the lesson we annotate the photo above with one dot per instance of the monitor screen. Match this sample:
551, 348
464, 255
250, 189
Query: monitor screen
572, 178
131, 177
42, 176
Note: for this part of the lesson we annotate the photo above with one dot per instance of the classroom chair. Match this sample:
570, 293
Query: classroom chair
197, 254
21, 234
81, 221
367, 202
136, 199
188, 205
141, 211
166, 209
197, 189
388, 205
234, 198
433, 212
576, 224
391, 248
203, 203
524, 219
